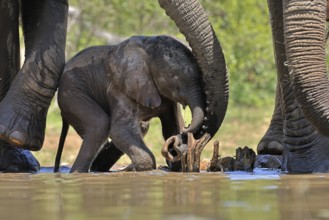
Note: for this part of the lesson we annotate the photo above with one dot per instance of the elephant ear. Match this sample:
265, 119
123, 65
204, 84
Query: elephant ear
130, 74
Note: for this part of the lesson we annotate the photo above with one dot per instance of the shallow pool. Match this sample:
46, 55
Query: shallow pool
162, 195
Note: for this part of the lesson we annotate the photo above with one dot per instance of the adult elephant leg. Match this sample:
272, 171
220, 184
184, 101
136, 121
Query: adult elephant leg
9, 45
304, 23
23, 110
271, 142
305, 148
11, 159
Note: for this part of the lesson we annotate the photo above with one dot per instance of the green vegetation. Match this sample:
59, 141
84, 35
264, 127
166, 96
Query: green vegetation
244, 32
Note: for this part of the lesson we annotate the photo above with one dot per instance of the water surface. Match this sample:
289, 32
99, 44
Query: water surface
162, 195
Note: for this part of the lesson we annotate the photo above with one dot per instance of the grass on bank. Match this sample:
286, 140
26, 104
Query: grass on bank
243, 126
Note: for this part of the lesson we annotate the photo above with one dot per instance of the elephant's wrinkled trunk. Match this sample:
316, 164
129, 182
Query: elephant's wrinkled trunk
197, 108
304, 28
193, 22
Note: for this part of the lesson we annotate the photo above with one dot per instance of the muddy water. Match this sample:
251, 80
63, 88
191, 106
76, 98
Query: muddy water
160, 195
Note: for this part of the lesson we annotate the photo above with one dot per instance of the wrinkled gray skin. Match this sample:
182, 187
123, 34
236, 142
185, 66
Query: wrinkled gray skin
300, 127
26, 92
110, 154
23, 110
107, 91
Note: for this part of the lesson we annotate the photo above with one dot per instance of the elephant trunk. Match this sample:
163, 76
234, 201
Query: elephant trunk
195, 103
193, 22
304, 23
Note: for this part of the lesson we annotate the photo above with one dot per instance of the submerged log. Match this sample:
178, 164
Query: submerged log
245, 159
194, 149
218, 163
214, 162
189, 154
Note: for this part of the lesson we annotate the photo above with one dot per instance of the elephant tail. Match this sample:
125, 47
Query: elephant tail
65, 129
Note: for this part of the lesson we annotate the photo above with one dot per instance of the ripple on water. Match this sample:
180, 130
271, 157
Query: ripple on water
262, 194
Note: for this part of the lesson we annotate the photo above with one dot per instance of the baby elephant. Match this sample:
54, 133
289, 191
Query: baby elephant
107, 91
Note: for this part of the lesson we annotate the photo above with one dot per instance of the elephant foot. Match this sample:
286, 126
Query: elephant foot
307, 157
22, 125
268, 161
146, 164
13, 160
23, 113
271, 143
133, 168
129, 168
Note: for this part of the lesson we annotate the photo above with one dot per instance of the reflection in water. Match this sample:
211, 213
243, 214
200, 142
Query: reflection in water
161, 195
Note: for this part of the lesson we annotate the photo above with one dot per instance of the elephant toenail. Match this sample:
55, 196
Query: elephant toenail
17, 138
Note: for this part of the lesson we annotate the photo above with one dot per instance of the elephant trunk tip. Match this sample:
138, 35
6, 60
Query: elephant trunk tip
197, 121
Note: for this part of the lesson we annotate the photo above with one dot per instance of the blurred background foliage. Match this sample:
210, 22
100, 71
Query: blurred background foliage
242, 27
244, 32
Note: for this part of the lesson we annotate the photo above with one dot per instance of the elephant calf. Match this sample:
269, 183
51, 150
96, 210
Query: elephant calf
107, 91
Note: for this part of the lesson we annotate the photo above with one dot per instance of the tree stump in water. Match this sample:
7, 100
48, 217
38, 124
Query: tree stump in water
175, 149
191, 161
244, 160
218, 163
